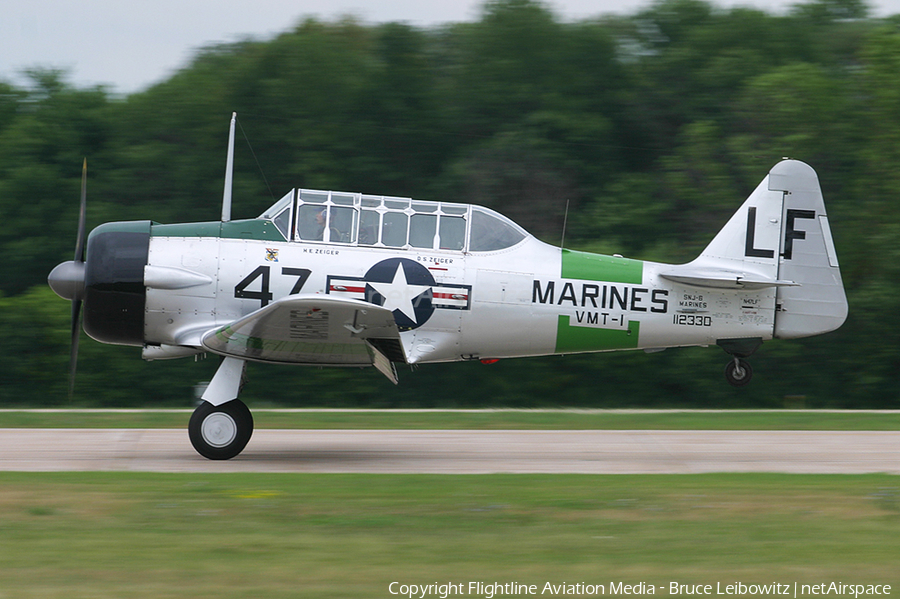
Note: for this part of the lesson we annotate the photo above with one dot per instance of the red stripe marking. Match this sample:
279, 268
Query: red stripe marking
461, 296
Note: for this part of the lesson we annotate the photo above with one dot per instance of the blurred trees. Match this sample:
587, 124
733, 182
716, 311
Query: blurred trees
654, 127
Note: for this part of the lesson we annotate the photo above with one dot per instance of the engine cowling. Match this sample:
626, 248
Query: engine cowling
114, 291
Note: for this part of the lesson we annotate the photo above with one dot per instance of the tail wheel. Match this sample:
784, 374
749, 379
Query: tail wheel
738, 372
221, 432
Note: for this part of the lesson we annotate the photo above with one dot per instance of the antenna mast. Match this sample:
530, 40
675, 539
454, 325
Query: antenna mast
565, 222
229, 173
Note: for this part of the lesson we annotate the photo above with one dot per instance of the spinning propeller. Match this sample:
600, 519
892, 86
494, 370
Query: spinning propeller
67, 279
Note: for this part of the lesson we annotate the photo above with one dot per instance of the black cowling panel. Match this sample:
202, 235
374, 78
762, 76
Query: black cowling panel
115, 296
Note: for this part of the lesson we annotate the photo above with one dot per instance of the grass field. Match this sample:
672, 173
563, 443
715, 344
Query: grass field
217, 535
137, 535
486, 419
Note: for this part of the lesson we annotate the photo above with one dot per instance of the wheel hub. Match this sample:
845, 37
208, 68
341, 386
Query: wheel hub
218, 429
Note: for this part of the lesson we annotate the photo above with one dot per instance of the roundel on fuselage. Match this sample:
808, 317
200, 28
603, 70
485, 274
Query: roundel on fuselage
404, 287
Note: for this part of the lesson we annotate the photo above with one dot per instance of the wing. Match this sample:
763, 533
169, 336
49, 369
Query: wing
312, 329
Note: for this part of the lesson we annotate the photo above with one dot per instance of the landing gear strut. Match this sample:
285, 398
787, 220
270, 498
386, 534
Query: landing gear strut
222, 425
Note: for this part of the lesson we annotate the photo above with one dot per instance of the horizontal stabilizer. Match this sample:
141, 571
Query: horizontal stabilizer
718, 278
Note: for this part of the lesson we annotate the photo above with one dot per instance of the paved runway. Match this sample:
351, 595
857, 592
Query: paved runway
454, 452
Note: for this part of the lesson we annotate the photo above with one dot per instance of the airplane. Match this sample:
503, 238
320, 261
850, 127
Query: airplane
329, 278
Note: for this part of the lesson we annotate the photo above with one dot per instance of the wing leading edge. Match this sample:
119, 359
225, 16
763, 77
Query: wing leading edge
311, 329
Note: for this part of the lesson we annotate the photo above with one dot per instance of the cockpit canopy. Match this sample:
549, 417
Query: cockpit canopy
380, 221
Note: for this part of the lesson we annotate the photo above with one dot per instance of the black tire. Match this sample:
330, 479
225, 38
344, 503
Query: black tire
220, 432
738, 374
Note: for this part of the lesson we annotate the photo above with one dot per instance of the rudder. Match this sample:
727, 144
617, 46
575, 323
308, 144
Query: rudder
818, 303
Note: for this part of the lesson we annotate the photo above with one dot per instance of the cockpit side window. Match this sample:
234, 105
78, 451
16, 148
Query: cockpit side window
342, 225
452, 232
393, 229
311, 219
422, 228
280, 214
369, 225
491, 232
283, 222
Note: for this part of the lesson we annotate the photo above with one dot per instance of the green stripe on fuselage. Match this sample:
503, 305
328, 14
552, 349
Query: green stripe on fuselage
212, 229
575, 339
262, 230
597, 267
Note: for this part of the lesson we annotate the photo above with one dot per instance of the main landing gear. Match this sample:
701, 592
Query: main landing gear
221, 432
222, 425
738, 371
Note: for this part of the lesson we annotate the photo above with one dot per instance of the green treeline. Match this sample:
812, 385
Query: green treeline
653, 127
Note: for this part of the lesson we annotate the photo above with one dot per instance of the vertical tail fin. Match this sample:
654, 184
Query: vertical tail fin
750, 240
779, 239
